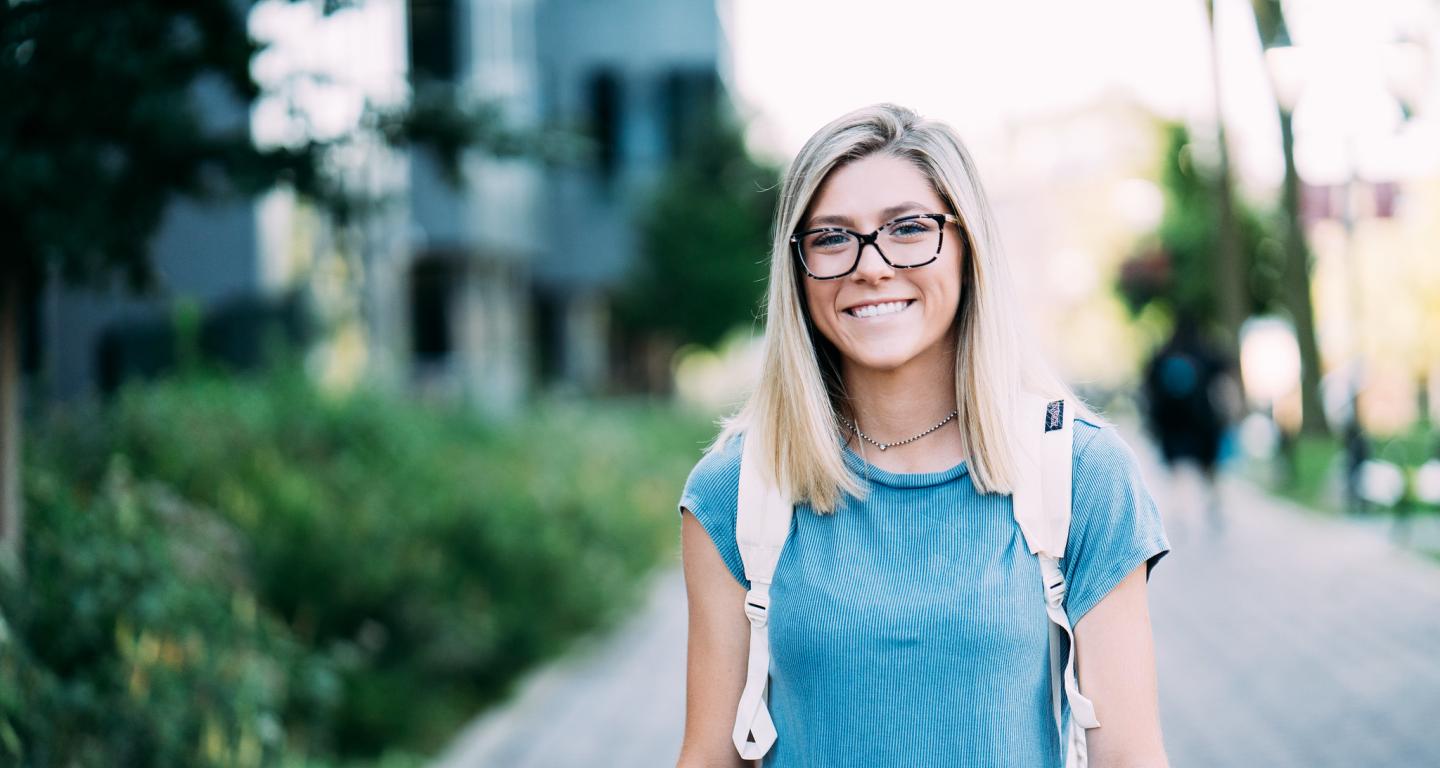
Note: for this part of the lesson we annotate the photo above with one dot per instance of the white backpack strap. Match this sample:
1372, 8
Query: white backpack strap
761, 525
1042, 509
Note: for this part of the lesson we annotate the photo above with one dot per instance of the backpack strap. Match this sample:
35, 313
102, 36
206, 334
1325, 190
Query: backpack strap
762, 523
1041, 501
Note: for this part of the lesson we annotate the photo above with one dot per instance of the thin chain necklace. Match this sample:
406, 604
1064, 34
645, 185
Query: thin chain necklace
855, 427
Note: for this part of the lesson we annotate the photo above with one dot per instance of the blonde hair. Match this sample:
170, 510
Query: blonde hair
792, 411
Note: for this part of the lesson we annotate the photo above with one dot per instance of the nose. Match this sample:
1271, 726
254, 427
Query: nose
872, 267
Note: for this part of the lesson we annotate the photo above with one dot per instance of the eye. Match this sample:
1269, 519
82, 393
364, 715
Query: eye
827, 241
912, 229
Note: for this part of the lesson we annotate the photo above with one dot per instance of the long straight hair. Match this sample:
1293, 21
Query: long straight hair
792, 411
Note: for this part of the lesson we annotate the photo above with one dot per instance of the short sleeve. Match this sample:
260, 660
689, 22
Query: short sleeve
712, 495
1114, 526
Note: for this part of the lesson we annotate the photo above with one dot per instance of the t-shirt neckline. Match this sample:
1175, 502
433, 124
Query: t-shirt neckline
867, 470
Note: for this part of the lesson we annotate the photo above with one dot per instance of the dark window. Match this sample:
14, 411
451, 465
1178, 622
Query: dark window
689, 98
548, 307
606, 116
431, 309
432, 40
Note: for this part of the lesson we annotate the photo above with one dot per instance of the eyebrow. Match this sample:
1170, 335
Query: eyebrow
845, 221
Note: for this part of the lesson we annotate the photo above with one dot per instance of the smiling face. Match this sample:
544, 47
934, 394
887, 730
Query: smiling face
880, 317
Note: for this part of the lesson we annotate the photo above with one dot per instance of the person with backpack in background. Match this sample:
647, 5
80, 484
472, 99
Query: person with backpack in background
912, 545
1190, 394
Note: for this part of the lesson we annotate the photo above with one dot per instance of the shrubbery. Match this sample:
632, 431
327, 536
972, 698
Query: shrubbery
372, 574
136, 639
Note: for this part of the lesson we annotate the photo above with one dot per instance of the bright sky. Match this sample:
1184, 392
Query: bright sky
355, 53
983, 65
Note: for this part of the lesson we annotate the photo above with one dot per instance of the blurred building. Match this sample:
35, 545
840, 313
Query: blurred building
479, 283
637, 75
513, 270
234, 277
473, 244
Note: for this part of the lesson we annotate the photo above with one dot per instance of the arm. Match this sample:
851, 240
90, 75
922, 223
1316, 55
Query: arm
1115, 661
718, 652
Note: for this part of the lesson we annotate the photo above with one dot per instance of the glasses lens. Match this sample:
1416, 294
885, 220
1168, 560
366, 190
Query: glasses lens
911, 241
828, 253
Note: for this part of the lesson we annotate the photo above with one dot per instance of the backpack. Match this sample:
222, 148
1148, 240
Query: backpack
1041, 501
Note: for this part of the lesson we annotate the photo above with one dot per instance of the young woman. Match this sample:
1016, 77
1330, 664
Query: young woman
907, 625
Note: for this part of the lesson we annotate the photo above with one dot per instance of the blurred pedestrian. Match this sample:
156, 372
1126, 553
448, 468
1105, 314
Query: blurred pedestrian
1191, 395
904, 617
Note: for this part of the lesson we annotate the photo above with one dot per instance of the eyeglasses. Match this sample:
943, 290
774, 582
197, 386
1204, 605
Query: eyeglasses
908, 242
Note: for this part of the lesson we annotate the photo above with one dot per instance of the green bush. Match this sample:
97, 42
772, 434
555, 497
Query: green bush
1314, 464
135, 639
426, 556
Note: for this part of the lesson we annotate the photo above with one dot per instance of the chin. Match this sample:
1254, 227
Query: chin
879, 359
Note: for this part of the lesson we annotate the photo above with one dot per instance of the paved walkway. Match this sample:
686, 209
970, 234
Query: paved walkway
614, 701
1283, 640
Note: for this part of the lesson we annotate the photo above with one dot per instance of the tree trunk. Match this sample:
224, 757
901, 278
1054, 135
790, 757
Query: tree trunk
1296, 291
11, 512
1231, 292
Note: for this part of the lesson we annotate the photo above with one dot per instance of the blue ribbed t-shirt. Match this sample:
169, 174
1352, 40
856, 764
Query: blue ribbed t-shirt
909, 628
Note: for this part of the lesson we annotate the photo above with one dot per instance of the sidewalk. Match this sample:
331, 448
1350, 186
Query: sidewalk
1284, 640
614, 701
1295, 640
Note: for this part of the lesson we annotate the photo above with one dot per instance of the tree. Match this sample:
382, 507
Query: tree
1270, 22
103, 126
705, 242
1181, 275
1230, 273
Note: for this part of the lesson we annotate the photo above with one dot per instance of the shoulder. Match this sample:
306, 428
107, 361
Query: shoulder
1098, 448
1106, 474
714, 481
711, 495
1115, 524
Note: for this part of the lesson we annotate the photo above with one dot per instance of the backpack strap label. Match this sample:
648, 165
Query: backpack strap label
1054, 415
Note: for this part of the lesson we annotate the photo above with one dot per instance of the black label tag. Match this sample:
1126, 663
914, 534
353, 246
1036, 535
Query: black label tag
1054, 415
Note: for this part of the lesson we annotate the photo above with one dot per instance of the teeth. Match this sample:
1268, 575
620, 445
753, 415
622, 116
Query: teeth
872, 310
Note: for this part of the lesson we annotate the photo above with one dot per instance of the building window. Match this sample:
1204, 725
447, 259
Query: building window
688, 98
547, 308
432, 308
606, 119
433, 40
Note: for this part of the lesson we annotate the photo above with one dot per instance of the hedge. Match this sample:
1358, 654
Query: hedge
343, 576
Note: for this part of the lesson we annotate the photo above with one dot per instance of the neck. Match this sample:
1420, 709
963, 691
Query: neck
892, 405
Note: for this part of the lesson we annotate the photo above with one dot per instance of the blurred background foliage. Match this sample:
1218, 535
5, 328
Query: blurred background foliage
1177, 270
138, 641
227, 571
705, 243
146, 100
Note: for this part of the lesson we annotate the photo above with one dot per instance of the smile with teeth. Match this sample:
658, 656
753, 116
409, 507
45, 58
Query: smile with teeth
876, 310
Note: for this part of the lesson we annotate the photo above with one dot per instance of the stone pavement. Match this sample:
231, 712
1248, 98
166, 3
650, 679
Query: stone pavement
1284, 639
1293, 640
614, 701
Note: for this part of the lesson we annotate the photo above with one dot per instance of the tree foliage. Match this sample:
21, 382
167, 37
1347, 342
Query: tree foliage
1188, 240
705, 243
102, 126
112, 110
